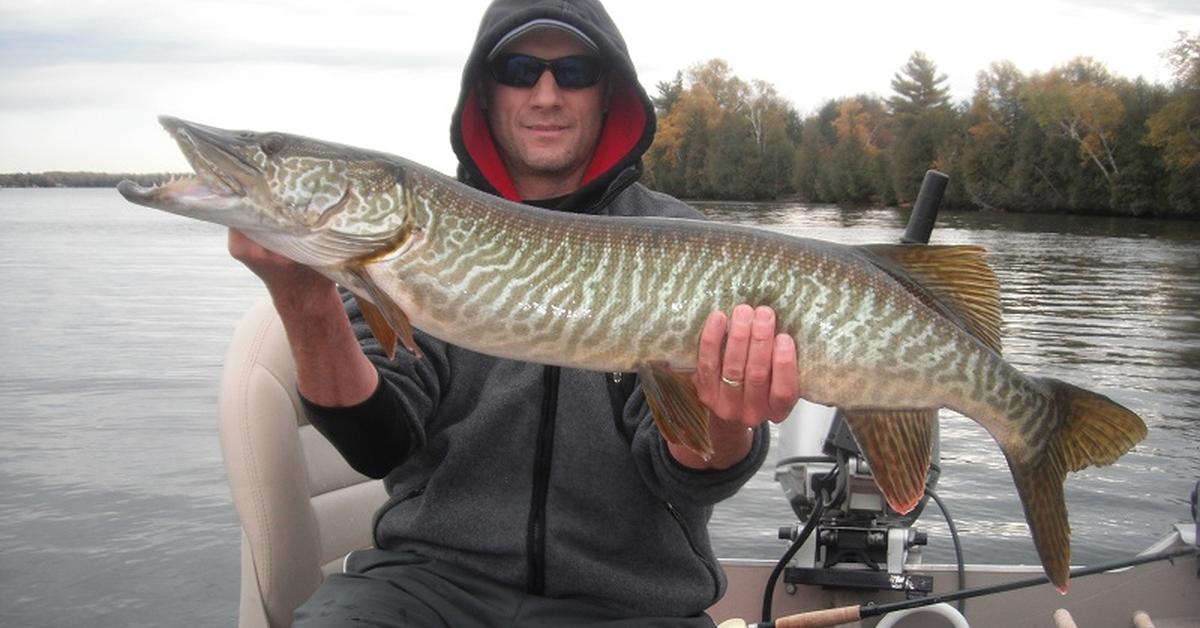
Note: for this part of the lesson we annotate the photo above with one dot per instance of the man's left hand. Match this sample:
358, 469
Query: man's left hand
745, 372
745, 375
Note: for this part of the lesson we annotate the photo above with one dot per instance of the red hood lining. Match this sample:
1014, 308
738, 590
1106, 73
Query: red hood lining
624, 125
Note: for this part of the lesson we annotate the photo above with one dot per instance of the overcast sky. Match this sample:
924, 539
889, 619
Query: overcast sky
81, 82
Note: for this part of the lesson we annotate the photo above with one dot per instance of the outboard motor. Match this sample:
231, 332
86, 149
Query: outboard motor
858, 542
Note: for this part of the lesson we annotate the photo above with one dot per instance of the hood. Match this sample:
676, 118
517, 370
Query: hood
629, 122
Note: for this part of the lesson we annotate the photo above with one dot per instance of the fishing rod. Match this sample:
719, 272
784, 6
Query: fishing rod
845, 614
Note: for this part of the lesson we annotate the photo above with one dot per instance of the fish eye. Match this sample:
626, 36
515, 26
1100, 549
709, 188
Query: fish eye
272, 143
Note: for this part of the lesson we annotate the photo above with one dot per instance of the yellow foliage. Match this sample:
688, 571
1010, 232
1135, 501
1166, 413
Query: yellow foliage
853, 124
1176, 130
696, 109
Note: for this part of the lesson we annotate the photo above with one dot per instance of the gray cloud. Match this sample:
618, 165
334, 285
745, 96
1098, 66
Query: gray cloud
63, 46
1155, 9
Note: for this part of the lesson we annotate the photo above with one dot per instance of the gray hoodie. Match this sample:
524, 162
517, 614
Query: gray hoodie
552, 481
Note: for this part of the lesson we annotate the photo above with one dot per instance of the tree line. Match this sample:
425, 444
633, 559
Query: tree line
1076, 138
80, 179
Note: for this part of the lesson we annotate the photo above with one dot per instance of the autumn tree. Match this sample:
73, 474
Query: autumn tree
1176, 127
807, 163
1080, 102
993, 124
675, 161
1076, 138
841, 154
721, 137
855, 152
668, 94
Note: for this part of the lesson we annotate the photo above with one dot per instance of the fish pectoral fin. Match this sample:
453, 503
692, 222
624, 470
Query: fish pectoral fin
387, 321
954, 280
677, 410
898, 445
380, 328
1090, 429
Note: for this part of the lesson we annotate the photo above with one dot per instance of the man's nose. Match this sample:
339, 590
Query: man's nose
546, 90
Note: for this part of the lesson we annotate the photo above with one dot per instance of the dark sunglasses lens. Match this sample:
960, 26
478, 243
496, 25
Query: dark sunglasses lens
516, 70
576, 71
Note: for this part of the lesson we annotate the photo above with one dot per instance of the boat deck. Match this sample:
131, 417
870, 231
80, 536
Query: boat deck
1168, 591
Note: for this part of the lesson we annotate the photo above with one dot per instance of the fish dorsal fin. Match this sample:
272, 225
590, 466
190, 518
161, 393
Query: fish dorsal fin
387, 321
953, 279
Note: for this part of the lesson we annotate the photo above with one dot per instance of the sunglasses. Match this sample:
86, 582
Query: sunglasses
518, 70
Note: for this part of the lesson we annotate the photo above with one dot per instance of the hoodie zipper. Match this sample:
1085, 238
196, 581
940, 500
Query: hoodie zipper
536, 537
687, 534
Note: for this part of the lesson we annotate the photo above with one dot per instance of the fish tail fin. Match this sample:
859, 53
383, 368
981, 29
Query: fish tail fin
1091, 429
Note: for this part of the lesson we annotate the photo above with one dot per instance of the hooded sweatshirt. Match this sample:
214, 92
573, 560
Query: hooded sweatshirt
551, 481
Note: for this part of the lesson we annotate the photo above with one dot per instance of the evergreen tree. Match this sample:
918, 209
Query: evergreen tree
922, 120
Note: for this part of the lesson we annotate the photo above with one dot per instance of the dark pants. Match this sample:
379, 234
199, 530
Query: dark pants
392, 589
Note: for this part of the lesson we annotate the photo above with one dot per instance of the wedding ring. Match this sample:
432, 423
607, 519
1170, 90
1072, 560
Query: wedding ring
732, 383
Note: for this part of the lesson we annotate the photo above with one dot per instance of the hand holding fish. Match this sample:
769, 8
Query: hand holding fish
745, 375
285, 279
330, 368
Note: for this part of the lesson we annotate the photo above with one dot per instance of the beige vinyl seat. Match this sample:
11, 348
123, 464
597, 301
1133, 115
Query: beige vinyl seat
301, 507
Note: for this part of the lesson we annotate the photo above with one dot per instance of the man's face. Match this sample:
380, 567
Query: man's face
546, 134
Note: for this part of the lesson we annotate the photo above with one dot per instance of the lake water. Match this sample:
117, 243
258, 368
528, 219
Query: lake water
113, 504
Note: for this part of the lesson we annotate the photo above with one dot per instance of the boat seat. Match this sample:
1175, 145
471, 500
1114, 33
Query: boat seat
301, 507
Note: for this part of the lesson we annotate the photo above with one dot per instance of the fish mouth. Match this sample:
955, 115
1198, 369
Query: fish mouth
221, 175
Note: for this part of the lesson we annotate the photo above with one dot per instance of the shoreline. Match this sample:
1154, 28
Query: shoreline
95, 180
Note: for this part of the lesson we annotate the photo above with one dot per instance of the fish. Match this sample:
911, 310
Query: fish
889, 333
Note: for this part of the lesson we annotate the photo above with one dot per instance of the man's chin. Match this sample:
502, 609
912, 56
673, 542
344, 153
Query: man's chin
547, 164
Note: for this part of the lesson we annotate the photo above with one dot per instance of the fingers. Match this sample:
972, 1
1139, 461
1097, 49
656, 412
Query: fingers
730, 393
785, 385
759, 367
708, 360
286, 280
251, 253
745, 372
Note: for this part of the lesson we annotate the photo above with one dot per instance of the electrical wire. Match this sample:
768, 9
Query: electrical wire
805, 533
958, 553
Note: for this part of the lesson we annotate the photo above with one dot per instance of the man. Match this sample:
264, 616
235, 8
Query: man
523, 494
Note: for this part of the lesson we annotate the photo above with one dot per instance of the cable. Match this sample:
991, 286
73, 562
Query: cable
958, 553
809, 527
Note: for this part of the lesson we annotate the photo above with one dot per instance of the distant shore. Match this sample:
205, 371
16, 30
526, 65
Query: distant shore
58, 179
111, 179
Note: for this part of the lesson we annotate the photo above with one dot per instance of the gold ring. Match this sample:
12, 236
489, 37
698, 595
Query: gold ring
733, 383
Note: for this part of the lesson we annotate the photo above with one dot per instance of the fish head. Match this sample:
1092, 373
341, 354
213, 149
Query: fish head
316, 202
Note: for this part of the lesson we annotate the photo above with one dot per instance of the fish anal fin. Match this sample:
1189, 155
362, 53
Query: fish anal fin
953, 279
387, 321
1090, 429
677, 410
898, 444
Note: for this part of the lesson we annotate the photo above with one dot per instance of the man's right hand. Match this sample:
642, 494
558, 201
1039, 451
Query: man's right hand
331, 369
291, 284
